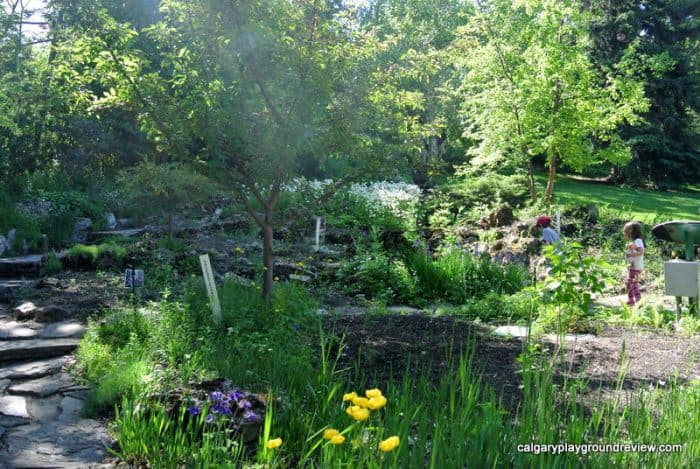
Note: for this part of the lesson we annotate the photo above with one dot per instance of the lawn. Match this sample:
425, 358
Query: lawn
639, 204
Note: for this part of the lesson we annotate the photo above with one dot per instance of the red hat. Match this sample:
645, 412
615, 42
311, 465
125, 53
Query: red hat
543, 220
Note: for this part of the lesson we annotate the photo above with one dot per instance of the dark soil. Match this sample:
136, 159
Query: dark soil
387, 347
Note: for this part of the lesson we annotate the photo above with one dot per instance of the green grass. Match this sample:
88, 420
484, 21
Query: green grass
640, 204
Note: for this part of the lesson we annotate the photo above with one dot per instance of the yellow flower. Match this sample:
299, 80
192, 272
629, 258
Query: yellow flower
373, 393
349, 396
300, 264
337, 440
277, 279
389, 444
276, 443
238, 250
376, 402
358, 413
330, 433
361, 401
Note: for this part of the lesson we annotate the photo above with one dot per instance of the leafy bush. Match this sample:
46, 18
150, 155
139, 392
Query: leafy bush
53, 264
379, 277
456, 276
103, 256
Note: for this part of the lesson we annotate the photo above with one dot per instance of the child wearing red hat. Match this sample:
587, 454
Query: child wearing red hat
549, 235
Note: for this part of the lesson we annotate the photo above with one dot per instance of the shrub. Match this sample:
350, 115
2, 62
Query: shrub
456, 276
379, 277
103, 256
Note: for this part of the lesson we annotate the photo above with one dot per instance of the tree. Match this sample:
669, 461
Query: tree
666, 145
244, 88
530, 89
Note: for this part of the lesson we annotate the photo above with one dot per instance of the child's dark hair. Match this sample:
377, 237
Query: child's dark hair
633, 230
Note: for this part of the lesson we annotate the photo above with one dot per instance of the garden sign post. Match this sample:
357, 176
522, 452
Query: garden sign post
211, 287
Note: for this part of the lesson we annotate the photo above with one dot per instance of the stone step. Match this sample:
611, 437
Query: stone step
14, 330
34, 369
35, 348
42, 387
22, 266
128, 233
9, 288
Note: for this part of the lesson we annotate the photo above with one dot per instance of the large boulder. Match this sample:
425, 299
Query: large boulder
11, 236
81, 229
110, 221
501, 217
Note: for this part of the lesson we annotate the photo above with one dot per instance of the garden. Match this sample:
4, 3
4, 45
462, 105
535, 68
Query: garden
310, 234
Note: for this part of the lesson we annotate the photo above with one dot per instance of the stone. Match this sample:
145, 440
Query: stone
300, 278
501, 217
81, 229
13, 411
404, 310
124, 223
50, 313
70, 409
21, 266
36, 348
511, 331
4, 245
110, 221
42, 387
34, 369
56, 444
235, 278
25, 311
44, 409
63, 329
16, 330
11, 236
10, 288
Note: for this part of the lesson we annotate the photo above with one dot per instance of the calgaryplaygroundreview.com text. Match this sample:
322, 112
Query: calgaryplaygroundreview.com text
559, 448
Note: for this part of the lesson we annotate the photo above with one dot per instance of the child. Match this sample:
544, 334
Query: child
634, 256
549, 235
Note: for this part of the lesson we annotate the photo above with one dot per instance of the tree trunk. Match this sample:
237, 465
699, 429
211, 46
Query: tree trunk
531, 181
268, 255
551, 176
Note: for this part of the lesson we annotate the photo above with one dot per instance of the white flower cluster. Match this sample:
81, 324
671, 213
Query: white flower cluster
399, 198
300, 183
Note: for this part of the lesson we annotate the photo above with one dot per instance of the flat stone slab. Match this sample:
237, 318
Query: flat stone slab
511, 331
44, 409
63, 330
36, 348
56, 444
70, 409
42, 387
404, 310
126, 233
570, 337
23, 265
33, 370
14, 406
14, 330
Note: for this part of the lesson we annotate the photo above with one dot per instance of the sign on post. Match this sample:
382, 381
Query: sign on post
211, 287
133, 278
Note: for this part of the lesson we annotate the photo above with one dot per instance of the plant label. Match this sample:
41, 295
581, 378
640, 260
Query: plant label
208, 274
133, 278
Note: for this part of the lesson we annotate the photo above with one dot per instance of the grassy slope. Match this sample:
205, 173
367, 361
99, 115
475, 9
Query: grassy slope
644, 205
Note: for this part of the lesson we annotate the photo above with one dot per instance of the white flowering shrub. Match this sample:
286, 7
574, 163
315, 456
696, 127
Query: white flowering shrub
381, 204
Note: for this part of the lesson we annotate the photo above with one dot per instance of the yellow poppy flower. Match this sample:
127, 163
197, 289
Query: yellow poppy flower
376, 402
337, 440
330, 433
349, 396
358, 413
373, 393
276, 443
361, 401
351, 410
389, 444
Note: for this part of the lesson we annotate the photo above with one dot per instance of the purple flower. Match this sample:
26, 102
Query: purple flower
194, 410
251, 416
221, 409
236, 396
210, 418
245, 404
216, 396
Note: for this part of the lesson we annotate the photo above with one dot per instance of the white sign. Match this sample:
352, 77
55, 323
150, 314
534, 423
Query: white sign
211, 287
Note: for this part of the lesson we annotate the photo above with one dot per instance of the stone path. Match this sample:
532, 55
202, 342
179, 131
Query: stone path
40, 405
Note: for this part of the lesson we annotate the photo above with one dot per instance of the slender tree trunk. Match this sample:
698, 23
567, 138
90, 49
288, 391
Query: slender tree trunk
268, 255
531, 181
551, 176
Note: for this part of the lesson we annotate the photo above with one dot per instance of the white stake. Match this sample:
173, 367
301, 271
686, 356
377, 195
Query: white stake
318, 233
